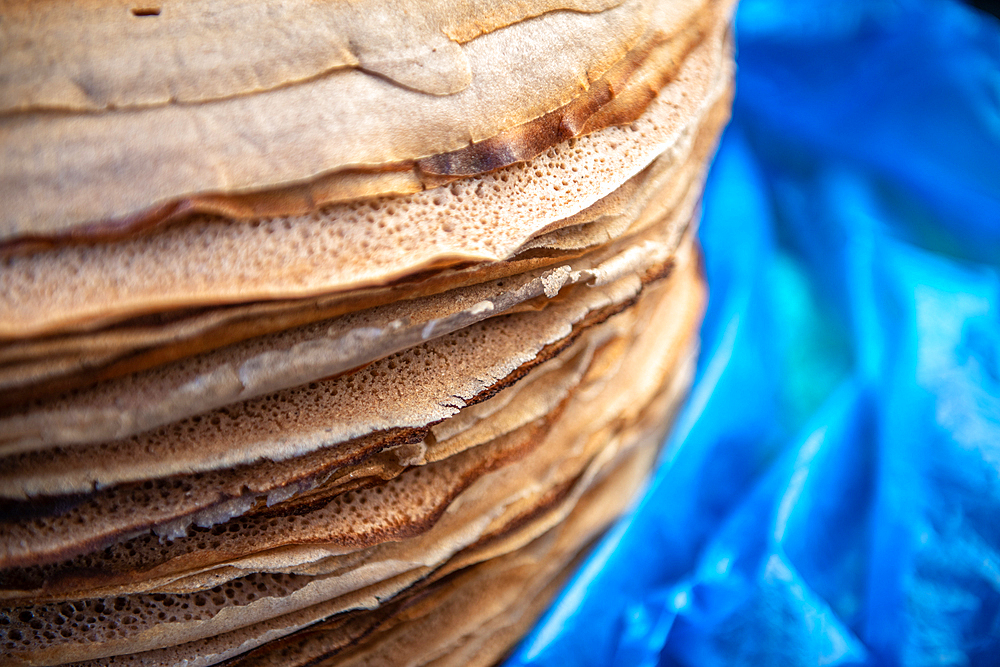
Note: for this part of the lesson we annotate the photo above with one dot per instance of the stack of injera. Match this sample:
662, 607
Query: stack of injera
333, 333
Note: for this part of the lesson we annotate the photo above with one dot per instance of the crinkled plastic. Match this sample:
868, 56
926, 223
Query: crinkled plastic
831, 494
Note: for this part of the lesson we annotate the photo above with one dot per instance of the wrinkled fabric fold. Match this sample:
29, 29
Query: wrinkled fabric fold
830, 495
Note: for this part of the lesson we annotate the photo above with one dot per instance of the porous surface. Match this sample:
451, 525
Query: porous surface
614, 404
374, 398
593, 509
169, 506
38, 368
401, 507
480, 598
286, 585
349, 246
105, 620
348, 117
40, 362
517, 418
359, 404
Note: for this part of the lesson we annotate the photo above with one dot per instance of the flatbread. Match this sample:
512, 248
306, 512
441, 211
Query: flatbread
605, 499
37, 361
659, 354
469, 600
67, 57
125, 510
187, 149
353, 246
290, 586
120, 411
517, 417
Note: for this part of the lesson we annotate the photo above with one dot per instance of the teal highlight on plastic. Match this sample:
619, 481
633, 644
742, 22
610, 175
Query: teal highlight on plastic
831, 493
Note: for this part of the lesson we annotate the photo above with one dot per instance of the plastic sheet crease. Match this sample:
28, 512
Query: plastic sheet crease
831, 495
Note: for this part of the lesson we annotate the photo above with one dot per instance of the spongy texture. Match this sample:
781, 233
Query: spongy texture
352, 245
473, 511
316, 639
210, 498
145, 637
532, 398
523, 412
35, 367
218, 648
147, 341
171, 505
465, 559
401, 507
143, 554
346, 118
669, 188
42, 627
441, 376
456, 391
554, 455
460, 604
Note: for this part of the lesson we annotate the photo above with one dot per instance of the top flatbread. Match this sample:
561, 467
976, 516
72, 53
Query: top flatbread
68, 55
484, 218
59, 170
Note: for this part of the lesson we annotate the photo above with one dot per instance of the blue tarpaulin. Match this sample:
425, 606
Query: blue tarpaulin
831, 493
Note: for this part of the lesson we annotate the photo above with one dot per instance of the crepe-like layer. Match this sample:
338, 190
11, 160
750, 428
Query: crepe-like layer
172, 458
292, 587
494, 347
608, 403
226, 608
495, 637
33, 368
206, 499
510, 498
640, 375
67, 56
38, 367
331, 637
190, 149
481, 599
491, 547
438, 626
351, 246
447, 405
618, 97
683, 311
256, 367
611, 492
69, 361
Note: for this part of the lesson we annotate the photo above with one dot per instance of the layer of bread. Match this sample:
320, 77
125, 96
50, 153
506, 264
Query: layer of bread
360, 245
117, 166
550, 465
44, 539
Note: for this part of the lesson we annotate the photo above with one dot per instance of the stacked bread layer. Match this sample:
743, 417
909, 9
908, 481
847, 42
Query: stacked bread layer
348, 388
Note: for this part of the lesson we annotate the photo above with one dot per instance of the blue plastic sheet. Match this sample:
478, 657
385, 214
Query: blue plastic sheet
831, 494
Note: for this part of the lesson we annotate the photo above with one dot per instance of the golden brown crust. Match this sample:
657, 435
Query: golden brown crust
187, 52
421, 403
110, 167
357, 246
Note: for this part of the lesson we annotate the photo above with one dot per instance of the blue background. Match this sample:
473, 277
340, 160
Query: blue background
831, 494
